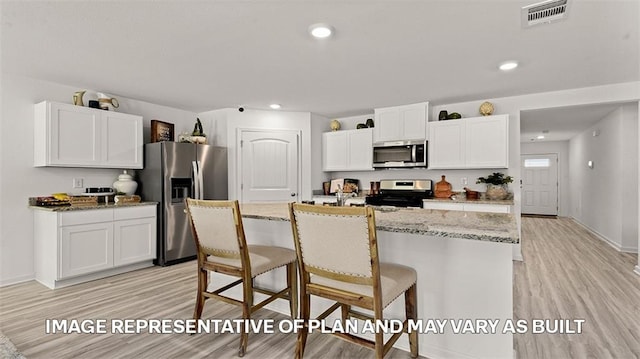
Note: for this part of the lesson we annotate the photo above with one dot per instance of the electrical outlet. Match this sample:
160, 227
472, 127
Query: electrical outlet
78, 182
464, 181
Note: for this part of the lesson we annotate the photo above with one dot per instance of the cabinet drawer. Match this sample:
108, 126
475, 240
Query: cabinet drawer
84, 217
134, 212
443, 206
492, 208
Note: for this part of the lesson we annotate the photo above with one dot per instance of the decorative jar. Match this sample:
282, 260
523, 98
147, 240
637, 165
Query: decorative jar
497, 191
125, 184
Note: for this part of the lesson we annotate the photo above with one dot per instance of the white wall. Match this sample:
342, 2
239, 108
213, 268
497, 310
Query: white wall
232, 120
21, 180
604, 198
562, 149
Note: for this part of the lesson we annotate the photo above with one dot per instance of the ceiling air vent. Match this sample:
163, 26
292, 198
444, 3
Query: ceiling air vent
544, 12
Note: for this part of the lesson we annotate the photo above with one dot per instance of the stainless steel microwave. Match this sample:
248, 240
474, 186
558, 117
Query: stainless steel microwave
400, 154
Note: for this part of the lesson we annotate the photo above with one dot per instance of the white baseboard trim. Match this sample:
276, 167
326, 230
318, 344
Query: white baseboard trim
637, 270
604, 238
16, 280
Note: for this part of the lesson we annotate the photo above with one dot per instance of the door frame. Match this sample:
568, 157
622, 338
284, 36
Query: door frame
558, 190
239, 164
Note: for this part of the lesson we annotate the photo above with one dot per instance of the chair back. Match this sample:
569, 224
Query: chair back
336, 242
217, 228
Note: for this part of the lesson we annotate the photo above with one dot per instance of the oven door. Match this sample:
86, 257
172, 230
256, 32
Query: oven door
400, 154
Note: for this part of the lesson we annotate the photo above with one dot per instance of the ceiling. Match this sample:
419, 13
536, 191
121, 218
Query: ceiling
206, 55
562, 123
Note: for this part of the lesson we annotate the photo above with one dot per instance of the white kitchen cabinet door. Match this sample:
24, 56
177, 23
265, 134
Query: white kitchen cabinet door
85, 249
447, 144
122, 144
360, 153
134, 240
475, 142
414, 121
401, 123
387, 125
487, 142
348, 150
334, 151
75, 136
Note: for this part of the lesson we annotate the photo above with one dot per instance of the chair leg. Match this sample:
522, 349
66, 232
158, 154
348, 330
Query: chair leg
344, 310
305, 313
411, 311
200, 298
247, 304
292, 284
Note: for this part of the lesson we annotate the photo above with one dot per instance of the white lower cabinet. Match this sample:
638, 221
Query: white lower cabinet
85, 248
81, 245
134, 240
468, 207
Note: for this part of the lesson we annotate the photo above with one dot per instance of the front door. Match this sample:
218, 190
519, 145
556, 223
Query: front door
270, 166
540, 184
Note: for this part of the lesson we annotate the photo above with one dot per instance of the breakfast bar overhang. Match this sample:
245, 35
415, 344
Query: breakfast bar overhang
464, 266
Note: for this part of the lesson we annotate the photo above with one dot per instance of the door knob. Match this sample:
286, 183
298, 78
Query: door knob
293, 195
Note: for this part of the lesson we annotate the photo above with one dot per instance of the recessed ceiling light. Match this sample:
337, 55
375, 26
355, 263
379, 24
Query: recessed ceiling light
541, 137
320, 31
275, 106
508, 65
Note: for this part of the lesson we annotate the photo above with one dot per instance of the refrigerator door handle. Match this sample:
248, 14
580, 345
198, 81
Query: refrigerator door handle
200, 181
196, 183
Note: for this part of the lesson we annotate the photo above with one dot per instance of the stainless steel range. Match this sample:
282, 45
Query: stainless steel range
402, 193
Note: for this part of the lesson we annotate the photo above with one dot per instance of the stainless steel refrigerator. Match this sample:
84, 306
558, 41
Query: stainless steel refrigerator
172, 172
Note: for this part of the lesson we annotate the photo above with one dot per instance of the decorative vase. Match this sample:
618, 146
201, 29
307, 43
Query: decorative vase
486, 108
335, 125
125, 184
369, 122
77, 98
497, 191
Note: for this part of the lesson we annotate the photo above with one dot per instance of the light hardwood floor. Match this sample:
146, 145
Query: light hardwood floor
567, 274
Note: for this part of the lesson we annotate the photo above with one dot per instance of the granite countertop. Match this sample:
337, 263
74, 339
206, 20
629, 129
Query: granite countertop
91, 206
463, 199
492, 227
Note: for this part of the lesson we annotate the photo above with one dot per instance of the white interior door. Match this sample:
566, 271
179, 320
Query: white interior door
540, 184
269, 166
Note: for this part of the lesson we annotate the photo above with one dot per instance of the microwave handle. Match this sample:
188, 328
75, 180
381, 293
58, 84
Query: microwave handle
413, 154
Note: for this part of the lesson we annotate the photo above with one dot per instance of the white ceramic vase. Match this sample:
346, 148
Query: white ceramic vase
125, 184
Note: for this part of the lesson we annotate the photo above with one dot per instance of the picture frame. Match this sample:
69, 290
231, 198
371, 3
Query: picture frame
161, 131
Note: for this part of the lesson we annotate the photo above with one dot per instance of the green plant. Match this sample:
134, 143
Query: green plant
496, 178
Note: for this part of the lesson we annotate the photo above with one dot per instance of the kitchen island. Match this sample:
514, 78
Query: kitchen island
464, 270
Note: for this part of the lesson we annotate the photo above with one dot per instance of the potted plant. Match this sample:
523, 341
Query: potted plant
497, 185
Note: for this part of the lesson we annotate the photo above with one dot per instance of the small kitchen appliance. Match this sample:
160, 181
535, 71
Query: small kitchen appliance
400, 154
402, 193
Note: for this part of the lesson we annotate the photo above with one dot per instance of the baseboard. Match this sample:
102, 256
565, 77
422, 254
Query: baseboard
637, 270
16, 280
605, 239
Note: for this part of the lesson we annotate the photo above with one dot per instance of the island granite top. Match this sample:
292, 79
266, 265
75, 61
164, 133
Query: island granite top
483, 226
91, 206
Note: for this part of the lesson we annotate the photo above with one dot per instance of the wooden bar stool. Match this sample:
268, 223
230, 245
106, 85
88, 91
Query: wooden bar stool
338, 260
220, 240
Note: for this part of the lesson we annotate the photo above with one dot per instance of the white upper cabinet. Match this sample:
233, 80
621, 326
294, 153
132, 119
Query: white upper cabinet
348, 150
74, 136
408, 122
475, 142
